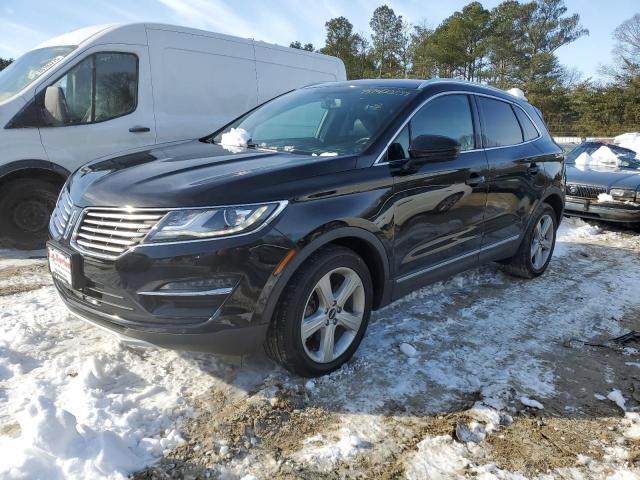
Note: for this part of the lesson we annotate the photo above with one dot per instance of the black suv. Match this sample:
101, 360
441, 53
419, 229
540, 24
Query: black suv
289, 225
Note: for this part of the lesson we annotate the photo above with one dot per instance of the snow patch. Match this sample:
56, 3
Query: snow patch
605, 197
326, 455
616, 397
408, 349
234, 139
529, 402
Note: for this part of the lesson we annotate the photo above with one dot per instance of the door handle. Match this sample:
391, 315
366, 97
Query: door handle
474, 180
533, 169
139, 129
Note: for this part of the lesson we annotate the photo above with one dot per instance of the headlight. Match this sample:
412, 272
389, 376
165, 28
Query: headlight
623, 194
202, 223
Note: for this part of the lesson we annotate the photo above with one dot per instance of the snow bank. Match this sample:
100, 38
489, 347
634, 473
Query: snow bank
629, 140
53, 445
87, 406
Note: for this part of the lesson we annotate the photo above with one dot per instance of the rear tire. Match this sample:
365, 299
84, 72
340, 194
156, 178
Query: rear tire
536, 249
323, 313
25, 208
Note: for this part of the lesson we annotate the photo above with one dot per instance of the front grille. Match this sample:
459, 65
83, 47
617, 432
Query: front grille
106, 233
60, 216
584, 191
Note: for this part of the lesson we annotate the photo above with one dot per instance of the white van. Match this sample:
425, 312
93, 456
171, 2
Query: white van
105, 89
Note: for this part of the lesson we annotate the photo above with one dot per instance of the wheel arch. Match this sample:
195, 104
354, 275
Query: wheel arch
361, 241
35, 169
556, 200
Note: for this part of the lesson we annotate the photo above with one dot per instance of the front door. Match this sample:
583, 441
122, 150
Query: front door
439, 207
101, 105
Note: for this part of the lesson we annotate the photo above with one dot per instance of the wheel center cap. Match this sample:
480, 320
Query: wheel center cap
332, 313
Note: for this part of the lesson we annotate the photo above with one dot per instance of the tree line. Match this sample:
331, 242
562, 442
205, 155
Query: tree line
511, 45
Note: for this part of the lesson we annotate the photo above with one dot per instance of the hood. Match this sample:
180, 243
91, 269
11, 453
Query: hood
194, 174
609, 177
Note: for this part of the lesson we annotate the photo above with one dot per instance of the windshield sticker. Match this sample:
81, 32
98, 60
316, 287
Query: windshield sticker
402, 92
46, 66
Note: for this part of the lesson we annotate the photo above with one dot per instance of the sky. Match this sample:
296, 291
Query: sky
26, 23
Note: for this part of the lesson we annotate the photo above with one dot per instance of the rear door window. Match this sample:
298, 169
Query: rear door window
501, 127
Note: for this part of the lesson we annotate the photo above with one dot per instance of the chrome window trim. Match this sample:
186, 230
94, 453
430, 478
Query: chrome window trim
72, 241
458, 92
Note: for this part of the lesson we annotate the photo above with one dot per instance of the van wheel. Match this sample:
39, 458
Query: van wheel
25, 208
536, 249
323, 313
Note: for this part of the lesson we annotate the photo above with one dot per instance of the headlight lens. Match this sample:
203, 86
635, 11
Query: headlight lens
623, 194
194, 224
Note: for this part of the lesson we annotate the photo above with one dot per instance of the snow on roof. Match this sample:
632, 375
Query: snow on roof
629, 140
518, 93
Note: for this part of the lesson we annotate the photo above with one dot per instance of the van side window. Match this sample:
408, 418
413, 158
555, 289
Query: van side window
501, 126
448, 116
101, 87
528, 128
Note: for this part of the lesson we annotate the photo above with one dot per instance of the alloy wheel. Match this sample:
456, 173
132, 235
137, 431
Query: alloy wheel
333, 315
542, 242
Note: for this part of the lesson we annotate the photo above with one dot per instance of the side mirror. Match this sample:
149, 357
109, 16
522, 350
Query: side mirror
433, 148
55, 106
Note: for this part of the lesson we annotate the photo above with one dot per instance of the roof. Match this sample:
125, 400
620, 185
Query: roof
417, 84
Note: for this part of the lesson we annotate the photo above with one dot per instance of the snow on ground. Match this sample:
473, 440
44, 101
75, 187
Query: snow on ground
477, 355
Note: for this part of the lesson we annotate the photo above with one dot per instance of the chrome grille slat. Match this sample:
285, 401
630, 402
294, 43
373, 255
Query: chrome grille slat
108, 233
60, 215
128, 216
116, 224
107, 240
118, 233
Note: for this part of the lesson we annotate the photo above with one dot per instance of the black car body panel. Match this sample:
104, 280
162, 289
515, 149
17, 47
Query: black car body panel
585, 183
411, 226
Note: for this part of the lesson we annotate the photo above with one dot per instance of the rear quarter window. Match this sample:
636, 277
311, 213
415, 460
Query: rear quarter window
528, 128
501, 127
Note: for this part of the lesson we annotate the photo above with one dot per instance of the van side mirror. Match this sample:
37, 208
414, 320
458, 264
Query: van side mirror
433, 148
55, 106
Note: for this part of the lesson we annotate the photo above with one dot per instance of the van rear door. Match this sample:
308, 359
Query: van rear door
101, 104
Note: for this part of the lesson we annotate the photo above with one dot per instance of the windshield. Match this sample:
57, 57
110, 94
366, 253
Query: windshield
29, 67
599, 154
318, 121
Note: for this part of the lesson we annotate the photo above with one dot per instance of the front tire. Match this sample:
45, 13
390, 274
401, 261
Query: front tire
25, 208
536, 249
323, 313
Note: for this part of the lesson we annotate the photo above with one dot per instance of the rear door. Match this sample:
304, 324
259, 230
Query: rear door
104, 105
439, 208
516, 179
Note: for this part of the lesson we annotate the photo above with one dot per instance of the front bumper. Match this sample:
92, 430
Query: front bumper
608, 211
126, 296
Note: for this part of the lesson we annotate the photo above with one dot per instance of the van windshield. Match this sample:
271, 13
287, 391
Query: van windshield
318, 120
29, 67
